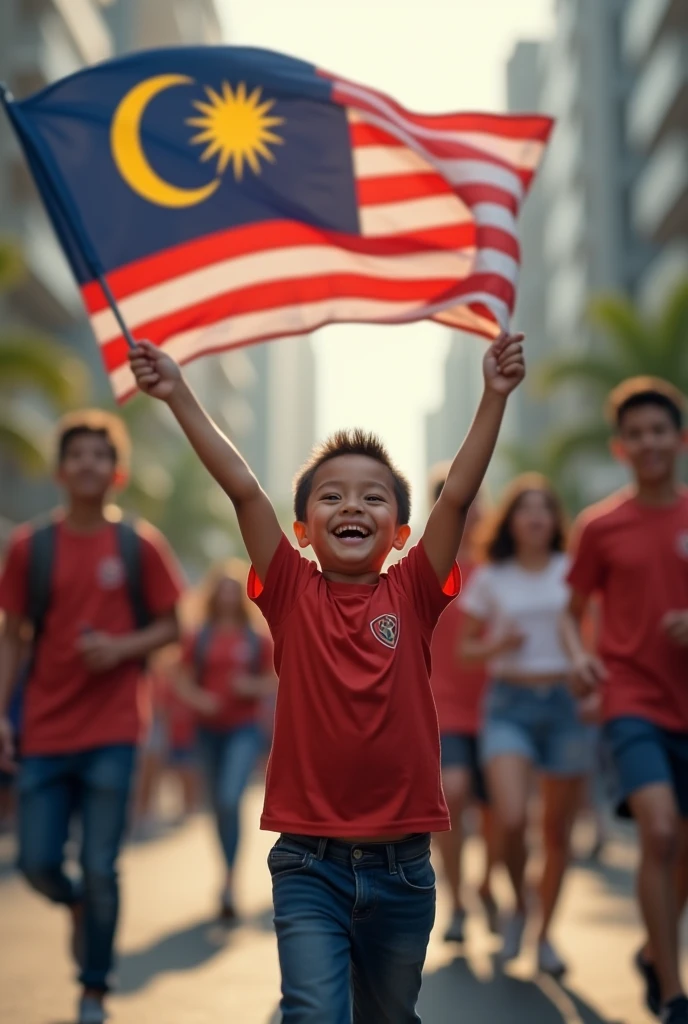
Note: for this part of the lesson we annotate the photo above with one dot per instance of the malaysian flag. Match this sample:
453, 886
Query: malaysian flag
208, 198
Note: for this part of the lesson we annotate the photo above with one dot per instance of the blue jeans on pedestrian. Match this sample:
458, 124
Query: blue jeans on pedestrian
95, 785
353, 922
228, 759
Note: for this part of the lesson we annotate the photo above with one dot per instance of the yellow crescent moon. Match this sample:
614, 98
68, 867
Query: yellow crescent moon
127, 149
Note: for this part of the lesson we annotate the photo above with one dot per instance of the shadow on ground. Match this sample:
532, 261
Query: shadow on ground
455, 993
183, 950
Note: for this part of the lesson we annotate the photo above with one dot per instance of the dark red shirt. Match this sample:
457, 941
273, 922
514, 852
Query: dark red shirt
67, 708
356, 743
458, 688
635, 557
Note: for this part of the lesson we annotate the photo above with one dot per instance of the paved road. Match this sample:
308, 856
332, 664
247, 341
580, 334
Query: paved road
175, 966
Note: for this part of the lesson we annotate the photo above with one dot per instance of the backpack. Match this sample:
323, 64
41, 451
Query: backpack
41, 560
202, 646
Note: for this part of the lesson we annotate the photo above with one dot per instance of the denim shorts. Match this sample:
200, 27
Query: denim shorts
460, 750
644, 754
540, 723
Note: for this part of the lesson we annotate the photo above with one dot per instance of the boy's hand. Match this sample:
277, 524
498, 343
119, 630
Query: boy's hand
156, 373
675, 625
504, 366
100, 651
588, 672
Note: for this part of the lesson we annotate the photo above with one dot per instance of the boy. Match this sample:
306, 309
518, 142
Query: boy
81, 713
632, 551
458, 691
353, 783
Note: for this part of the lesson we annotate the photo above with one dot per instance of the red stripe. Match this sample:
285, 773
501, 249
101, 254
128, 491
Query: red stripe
271, 295
363, 134
210, 249
495, 238
531, 127
393, 188
476, 193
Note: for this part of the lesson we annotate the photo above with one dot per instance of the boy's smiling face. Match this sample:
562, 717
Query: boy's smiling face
352, 516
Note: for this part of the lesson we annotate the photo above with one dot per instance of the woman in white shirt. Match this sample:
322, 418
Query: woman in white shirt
512, 606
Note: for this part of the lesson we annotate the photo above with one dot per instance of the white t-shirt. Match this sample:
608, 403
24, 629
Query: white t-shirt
507, 596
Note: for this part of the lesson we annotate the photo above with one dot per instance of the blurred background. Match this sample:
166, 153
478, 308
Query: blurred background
604, 286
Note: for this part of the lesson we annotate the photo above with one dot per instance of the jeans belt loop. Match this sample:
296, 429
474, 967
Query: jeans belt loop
322, 846
391, 858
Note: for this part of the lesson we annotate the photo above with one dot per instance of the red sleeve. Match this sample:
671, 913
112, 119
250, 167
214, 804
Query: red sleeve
14, 578
586, 575
417, 579
286, 578
162, 576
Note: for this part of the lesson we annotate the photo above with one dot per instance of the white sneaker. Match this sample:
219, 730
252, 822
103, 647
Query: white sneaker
549, 961
91, 1011
512, 937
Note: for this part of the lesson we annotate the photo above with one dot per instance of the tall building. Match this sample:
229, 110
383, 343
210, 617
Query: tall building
290, 415
654, 40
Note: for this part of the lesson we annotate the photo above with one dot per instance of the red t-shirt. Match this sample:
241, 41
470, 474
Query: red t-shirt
355, 748
636, 558
180, 720
229, 654
66, 707
458, 689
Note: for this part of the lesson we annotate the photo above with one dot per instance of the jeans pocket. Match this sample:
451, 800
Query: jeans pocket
287, 861
417, 874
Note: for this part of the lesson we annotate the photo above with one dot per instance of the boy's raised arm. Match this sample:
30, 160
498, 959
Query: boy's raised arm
503, 369
158, 375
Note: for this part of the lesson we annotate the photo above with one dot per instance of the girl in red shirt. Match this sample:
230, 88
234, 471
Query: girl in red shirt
226, 670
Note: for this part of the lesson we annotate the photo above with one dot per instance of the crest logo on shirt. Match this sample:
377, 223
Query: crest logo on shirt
386, 629
110, 572
682, 544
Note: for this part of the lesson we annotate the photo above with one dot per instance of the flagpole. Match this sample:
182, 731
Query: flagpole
112, 303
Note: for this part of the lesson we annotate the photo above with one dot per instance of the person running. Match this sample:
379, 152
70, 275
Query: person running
512, 606
226, 670
632, 552
458, 692
353, 785
101, 596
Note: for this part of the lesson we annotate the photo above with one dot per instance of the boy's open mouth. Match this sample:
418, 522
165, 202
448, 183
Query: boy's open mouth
352, 532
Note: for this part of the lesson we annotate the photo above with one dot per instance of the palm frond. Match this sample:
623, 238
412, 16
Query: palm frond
591, 438
590, 370
673, 329
631, 336
12, 268
31, 360
22, 445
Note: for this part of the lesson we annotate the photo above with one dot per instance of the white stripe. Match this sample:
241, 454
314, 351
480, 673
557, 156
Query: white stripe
385, 161
525, 154
235, 330
285, 264
495, 216
454, 170
492, 261
413, 215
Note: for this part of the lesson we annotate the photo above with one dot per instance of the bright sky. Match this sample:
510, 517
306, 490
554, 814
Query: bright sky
431, 55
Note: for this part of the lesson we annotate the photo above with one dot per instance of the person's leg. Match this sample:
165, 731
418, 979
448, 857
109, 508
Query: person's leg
46, 801
392, 921
682, 868
239, 756
562, 799
106, 777
508, 780
313, 902
456, 782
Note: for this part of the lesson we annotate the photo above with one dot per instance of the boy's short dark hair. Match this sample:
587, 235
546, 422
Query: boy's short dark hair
638, 391
95, 423
350, 442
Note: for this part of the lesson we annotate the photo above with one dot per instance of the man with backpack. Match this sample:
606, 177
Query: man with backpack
100, 596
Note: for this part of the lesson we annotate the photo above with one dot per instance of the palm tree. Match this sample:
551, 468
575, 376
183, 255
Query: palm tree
31, 364
544, 458
639, 346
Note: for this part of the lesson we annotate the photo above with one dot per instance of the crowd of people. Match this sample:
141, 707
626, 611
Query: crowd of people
535, 648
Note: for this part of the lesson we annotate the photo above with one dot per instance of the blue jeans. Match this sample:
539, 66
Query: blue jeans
353, 923
228, 760
95, 784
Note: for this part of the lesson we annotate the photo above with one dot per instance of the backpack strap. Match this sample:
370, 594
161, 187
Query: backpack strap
129, 544
200, 650
40, 574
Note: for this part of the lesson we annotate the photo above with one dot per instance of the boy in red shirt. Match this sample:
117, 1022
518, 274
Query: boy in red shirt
458, 690
83, 695
632, 551
353, 784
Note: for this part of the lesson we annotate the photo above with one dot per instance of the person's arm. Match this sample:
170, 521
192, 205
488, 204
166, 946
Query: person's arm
255, 686
11, 644
475, 646
103, 651
503, 369
193, 695
158, 375
587, 669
